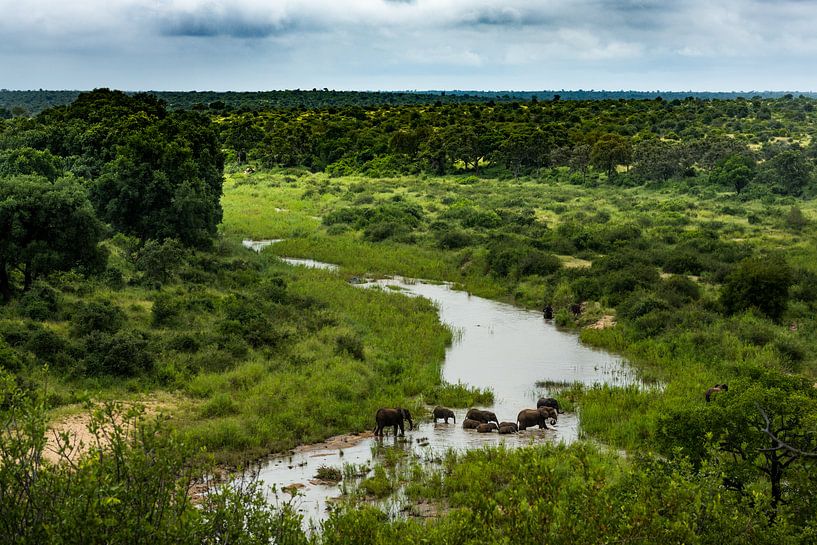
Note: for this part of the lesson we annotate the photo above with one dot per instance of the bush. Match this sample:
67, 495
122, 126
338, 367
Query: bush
166, 308
760, 283
185, 342
48, 346
124, 353
41, 302
351, 344
684, 262
160, 261
640, 303
96, 316
9, 358
453, 239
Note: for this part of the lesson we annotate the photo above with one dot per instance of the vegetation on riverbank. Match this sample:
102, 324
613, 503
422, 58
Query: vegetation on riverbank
690, 223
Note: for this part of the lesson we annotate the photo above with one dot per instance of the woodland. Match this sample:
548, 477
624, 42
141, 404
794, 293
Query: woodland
688, 224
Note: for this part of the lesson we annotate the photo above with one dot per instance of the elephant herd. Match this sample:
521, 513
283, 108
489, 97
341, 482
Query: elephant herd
547, 410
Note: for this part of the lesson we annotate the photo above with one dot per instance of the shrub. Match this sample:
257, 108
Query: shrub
124, 353
453, 239
351, 344
48, 346
96, 316
220, 405
640, 303
160, 261
679, 290
760, 283
41, 302
9, 358
684, 262
185, 342
166, 308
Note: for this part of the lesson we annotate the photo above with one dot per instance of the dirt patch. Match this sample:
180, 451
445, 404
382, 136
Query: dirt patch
570, 262
338, 442
608, 320
81, 438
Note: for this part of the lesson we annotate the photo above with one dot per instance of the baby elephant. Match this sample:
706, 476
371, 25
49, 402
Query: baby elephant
508, 427
442, 412
470, 424
486, 428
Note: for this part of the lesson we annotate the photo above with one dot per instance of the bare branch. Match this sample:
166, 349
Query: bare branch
781, 445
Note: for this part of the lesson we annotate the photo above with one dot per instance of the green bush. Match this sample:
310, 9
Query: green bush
453, 239
41, 302
761, 283
124, 353
96, 316
166, 309
640, 303
160, 261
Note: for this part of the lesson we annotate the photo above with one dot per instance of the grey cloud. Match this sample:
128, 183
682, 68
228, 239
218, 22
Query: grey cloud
209, 24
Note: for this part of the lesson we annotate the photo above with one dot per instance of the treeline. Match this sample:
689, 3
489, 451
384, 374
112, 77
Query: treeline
27, 103
762, 143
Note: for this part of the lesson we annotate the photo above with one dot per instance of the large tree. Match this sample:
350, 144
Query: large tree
45, 227
155, 174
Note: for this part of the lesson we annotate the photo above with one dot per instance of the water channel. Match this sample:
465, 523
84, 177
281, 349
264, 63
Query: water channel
497, 346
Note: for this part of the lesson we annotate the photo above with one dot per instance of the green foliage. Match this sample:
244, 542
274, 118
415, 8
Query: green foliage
459, 395
41, 302
131, 485
123, 353
761, 284
45, 227
26, 160
96, 316
160, 261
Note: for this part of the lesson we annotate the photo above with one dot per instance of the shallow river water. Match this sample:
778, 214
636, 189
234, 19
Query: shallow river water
497, 346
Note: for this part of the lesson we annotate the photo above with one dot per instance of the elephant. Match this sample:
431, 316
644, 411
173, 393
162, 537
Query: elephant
487, 428
576, 309
482, 416
533, 417
715, 389
508, 427
469, 424
392, 417
549, 402
548, 312
442, 412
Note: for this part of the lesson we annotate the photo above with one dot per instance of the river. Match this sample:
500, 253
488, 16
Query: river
497, 346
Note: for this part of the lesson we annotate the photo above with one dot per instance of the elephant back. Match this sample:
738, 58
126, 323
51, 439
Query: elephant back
470, 424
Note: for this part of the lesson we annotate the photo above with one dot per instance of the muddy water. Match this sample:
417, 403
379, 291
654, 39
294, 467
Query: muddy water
496, 346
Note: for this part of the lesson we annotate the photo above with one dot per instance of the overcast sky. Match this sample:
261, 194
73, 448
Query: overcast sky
716, 45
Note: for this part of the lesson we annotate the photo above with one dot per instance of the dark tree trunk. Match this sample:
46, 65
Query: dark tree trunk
27, 277
776, 476
5, 287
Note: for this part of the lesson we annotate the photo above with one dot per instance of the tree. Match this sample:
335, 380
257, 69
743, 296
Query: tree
765, 426
660, 159
29, 161
165, 182
156, 174
609, 151
758, 283
45, 227
736, 171
789, 171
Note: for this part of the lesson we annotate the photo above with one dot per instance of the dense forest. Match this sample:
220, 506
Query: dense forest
688, 223
25, 103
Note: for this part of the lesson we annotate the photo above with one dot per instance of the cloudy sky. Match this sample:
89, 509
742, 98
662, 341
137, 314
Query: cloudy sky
714, 45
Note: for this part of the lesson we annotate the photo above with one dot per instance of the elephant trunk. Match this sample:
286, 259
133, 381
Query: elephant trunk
411, 425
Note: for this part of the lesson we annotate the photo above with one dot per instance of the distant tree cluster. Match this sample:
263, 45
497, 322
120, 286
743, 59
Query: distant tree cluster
737, 144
